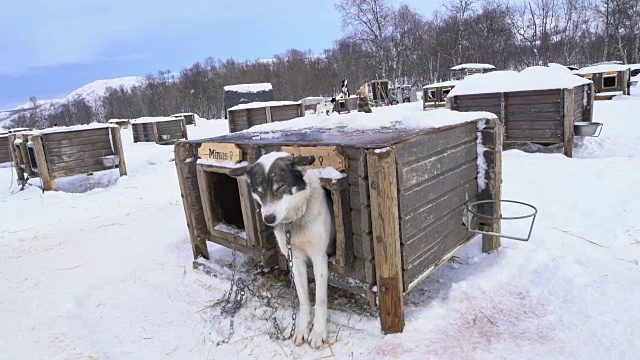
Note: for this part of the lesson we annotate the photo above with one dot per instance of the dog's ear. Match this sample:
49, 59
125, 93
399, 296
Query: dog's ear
241, 172
302, 163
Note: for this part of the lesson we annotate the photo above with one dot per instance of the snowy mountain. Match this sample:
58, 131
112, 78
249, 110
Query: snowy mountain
91, 93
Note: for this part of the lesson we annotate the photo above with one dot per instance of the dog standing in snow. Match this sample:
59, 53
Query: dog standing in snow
291, 197
363, 99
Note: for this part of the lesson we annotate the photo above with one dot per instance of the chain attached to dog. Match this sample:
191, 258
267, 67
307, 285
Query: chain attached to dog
231, 306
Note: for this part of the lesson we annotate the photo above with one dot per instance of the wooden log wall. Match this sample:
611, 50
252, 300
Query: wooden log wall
437, 173
242, 119
153, 131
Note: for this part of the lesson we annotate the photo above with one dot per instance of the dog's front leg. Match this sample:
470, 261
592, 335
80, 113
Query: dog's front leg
303, 325
321, 274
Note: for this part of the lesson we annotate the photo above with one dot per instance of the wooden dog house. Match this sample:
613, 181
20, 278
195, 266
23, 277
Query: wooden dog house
608, 80
189, 118
435, 95
397, 200
246, 93
244, 116
537, 105
59, 152
161, 130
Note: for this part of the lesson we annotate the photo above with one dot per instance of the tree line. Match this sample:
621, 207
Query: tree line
383, 40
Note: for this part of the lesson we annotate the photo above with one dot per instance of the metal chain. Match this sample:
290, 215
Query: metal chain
231, 306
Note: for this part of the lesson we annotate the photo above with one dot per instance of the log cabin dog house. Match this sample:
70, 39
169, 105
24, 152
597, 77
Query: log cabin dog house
5, 148
245, 94
59, 152
244, 116
608, 80
397, 193
542, 105
161, 130
435, 95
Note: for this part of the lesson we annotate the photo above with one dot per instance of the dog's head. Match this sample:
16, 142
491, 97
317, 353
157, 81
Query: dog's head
277, 184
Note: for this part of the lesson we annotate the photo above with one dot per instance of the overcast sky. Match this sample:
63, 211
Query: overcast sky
49, 51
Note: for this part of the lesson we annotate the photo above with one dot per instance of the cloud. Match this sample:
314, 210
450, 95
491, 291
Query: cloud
40, 34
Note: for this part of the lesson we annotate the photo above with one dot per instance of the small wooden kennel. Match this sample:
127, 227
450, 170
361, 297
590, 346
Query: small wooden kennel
398, 206
161, 130
534, 116
435, 95
123, 123
608, 80
59, 152
5, 148
244, 116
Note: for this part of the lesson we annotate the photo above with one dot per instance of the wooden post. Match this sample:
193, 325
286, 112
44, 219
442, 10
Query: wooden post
383, 186
117, 143
568, 122
185, 159
591, 100
184, 128
492, 138
47, 182
15, 152
268, 113
155, 132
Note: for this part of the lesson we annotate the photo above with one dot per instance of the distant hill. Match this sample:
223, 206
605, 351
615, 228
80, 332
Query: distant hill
92, 93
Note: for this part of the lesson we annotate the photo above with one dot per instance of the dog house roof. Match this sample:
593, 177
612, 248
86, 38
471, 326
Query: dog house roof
601, 68
144, 120
59, 129
261, 104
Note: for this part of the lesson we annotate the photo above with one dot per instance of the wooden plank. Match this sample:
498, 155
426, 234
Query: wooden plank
105, 145
493, 188
57, 161
417, 173
156, 137
248, 213
511, 118
534, 108
534, 134
77, 142
423, 217
220, 152
467, 97
210, 214
535, 125
185, 160
116, 136
342, 216
326, 156
386, 232
78, 170
425, 145
75, 134
568, 123
411, 198
541, 99
491, 109
47, 181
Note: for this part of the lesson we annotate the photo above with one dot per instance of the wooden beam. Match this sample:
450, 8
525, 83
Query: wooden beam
183, 153
117, 143
383, 186
155, 133
494, 183
184, 128
568, 122
47, 182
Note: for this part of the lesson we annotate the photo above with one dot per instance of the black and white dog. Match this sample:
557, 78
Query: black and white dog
291, 195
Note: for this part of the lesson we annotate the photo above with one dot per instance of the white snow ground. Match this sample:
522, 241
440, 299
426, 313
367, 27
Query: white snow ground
106, 274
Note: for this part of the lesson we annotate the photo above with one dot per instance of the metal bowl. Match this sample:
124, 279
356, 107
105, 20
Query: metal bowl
110, 160
587, 128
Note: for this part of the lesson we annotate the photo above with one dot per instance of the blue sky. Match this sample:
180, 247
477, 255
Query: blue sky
50, 50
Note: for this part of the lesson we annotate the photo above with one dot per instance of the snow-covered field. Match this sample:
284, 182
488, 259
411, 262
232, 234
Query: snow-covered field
106, 274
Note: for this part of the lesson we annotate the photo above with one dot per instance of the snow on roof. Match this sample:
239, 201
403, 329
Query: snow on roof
182, 114
404, 116
58, 129
151, 119
249, 88
260, 104
113, 121
441, 84
473, 66
601, 68
533, 78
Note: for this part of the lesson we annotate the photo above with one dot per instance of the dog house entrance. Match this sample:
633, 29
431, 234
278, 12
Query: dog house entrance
222, 205
609, 81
